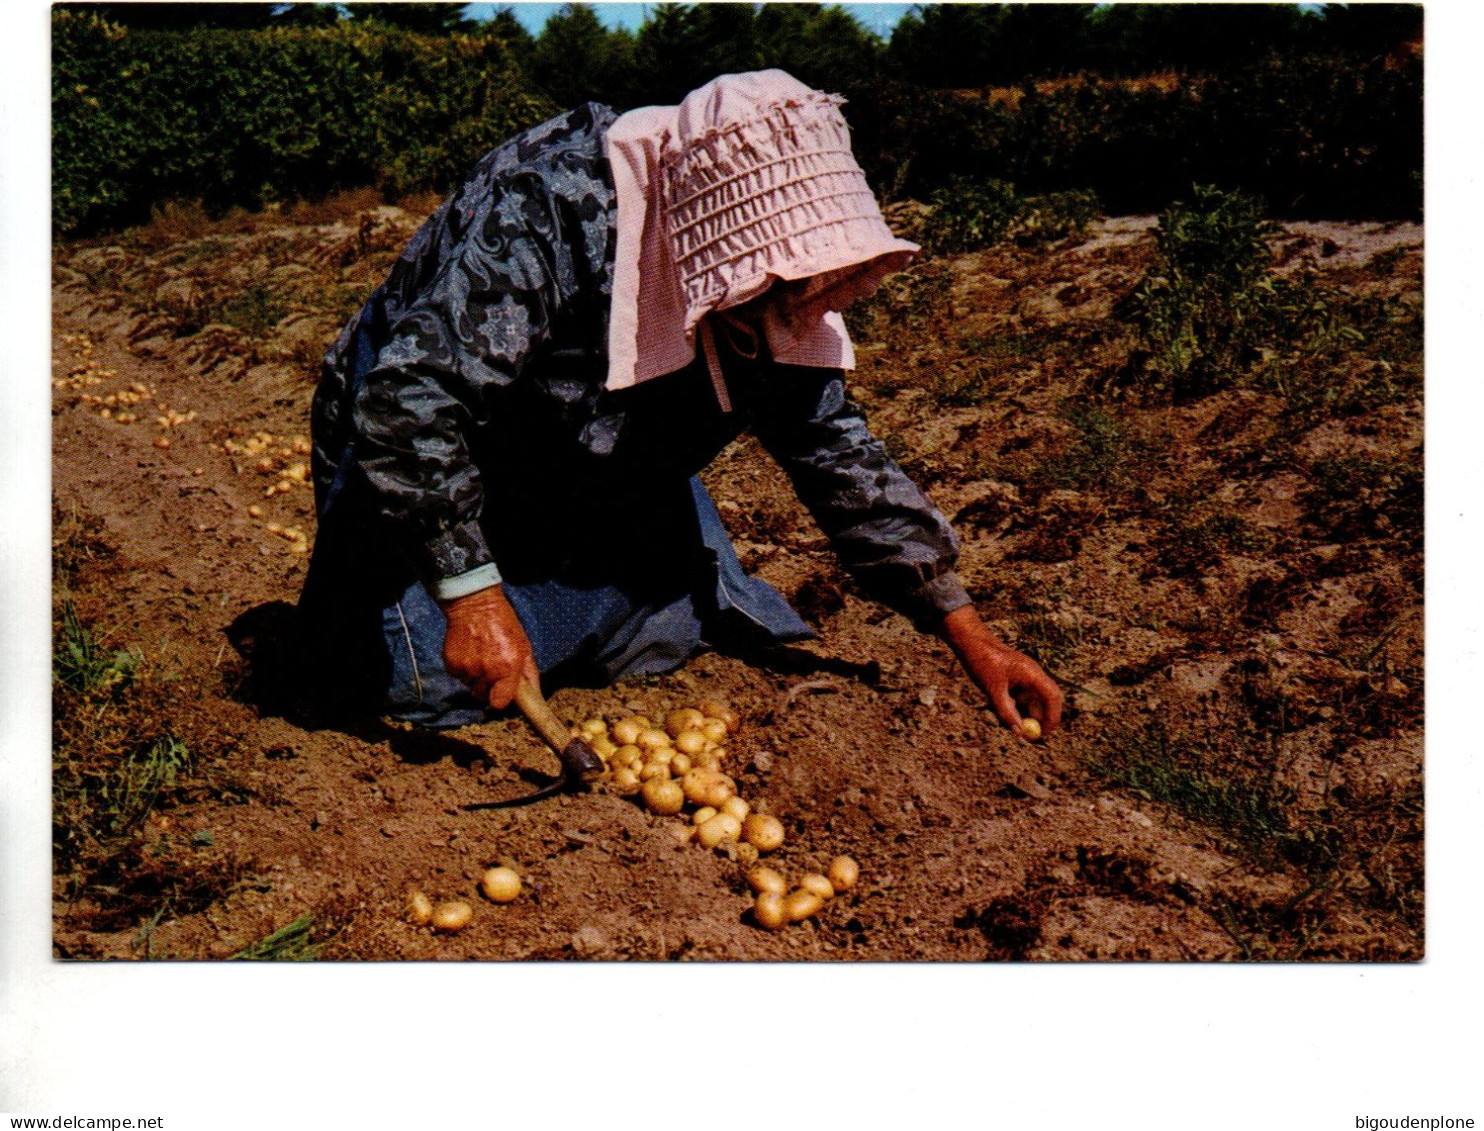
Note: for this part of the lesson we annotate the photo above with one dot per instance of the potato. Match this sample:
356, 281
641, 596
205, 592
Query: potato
703, 814
680, 765
843, 873
690, 742
500, 885
736, 807
603, 747
628, 754
708, 787
594, 727
819, 885
626, 783
763, 832
799, 904
652, 739
721, 827
654, 770
762, 878
769, 911
714, 730
454, 915
663, 797
678, 722
1030, 728
419, 908
722, 713
625, 731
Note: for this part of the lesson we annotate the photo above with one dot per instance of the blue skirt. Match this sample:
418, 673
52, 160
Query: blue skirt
378, 634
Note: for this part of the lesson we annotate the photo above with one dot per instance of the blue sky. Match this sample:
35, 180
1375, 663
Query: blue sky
880, 18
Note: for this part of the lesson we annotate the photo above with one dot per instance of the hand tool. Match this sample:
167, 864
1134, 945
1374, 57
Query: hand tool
580, 763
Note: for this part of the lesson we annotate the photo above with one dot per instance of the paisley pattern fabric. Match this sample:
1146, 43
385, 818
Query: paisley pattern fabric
463, 411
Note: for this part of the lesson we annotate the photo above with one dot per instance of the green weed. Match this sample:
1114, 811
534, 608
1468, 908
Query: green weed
1363, 496
970, 214
1175, 773
81, 665
1096, 457
139, 781
293, 943
1055, 216
907, 303
1049, 639
1356, 355
1194, 546
1201, 311
255, 310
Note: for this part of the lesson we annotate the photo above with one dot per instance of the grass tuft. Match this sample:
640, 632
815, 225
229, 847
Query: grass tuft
293, 943
1149, 762
81, 665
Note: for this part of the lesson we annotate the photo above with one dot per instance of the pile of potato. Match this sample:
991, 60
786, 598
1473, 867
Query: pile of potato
778, 904
675, 767
271, 456
277, 458
296, 538
499, 885
119, 405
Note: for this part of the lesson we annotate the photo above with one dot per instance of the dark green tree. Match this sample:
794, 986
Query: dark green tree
680, 47
425, 19
823, 46
180, 17
520, 43
1369, 30
308, 15
576, 59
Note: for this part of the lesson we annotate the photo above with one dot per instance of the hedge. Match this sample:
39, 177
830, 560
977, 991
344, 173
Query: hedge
242, 117
234, 117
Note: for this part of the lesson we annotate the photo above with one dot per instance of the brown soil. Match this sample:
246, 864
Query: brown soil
1238, 777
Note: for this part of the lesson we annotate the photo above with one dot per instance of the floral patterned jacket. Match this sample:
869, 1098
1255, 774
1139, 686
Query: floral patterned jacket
464, 408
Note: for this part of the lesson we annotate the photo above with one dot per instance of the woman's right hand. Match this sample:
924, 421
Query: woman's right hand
486, 646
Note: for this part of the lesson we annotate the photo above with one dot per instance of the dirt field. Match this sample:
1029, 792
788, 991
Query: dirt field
1230, 589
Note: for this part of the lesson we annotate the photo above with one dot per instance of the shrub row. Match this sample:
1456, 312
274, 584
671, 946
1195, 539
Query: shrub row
240, 117
244, 116
1317, 137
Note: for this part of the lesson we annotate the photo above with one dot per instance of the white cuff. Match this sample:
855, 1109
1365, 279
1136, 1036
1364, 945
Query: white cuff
480, 577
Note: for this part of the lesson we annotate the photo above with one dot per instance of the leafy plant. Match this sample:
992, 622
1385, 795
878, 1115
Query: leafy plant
1195, 545
1055, 216
293, 943
1202, 312
968, 215
81, 665
238, 117
1097, 454
1151, 763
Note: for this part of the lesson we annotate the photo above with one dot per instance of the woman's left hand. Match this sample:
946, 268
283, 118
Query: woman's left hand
1016, 685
